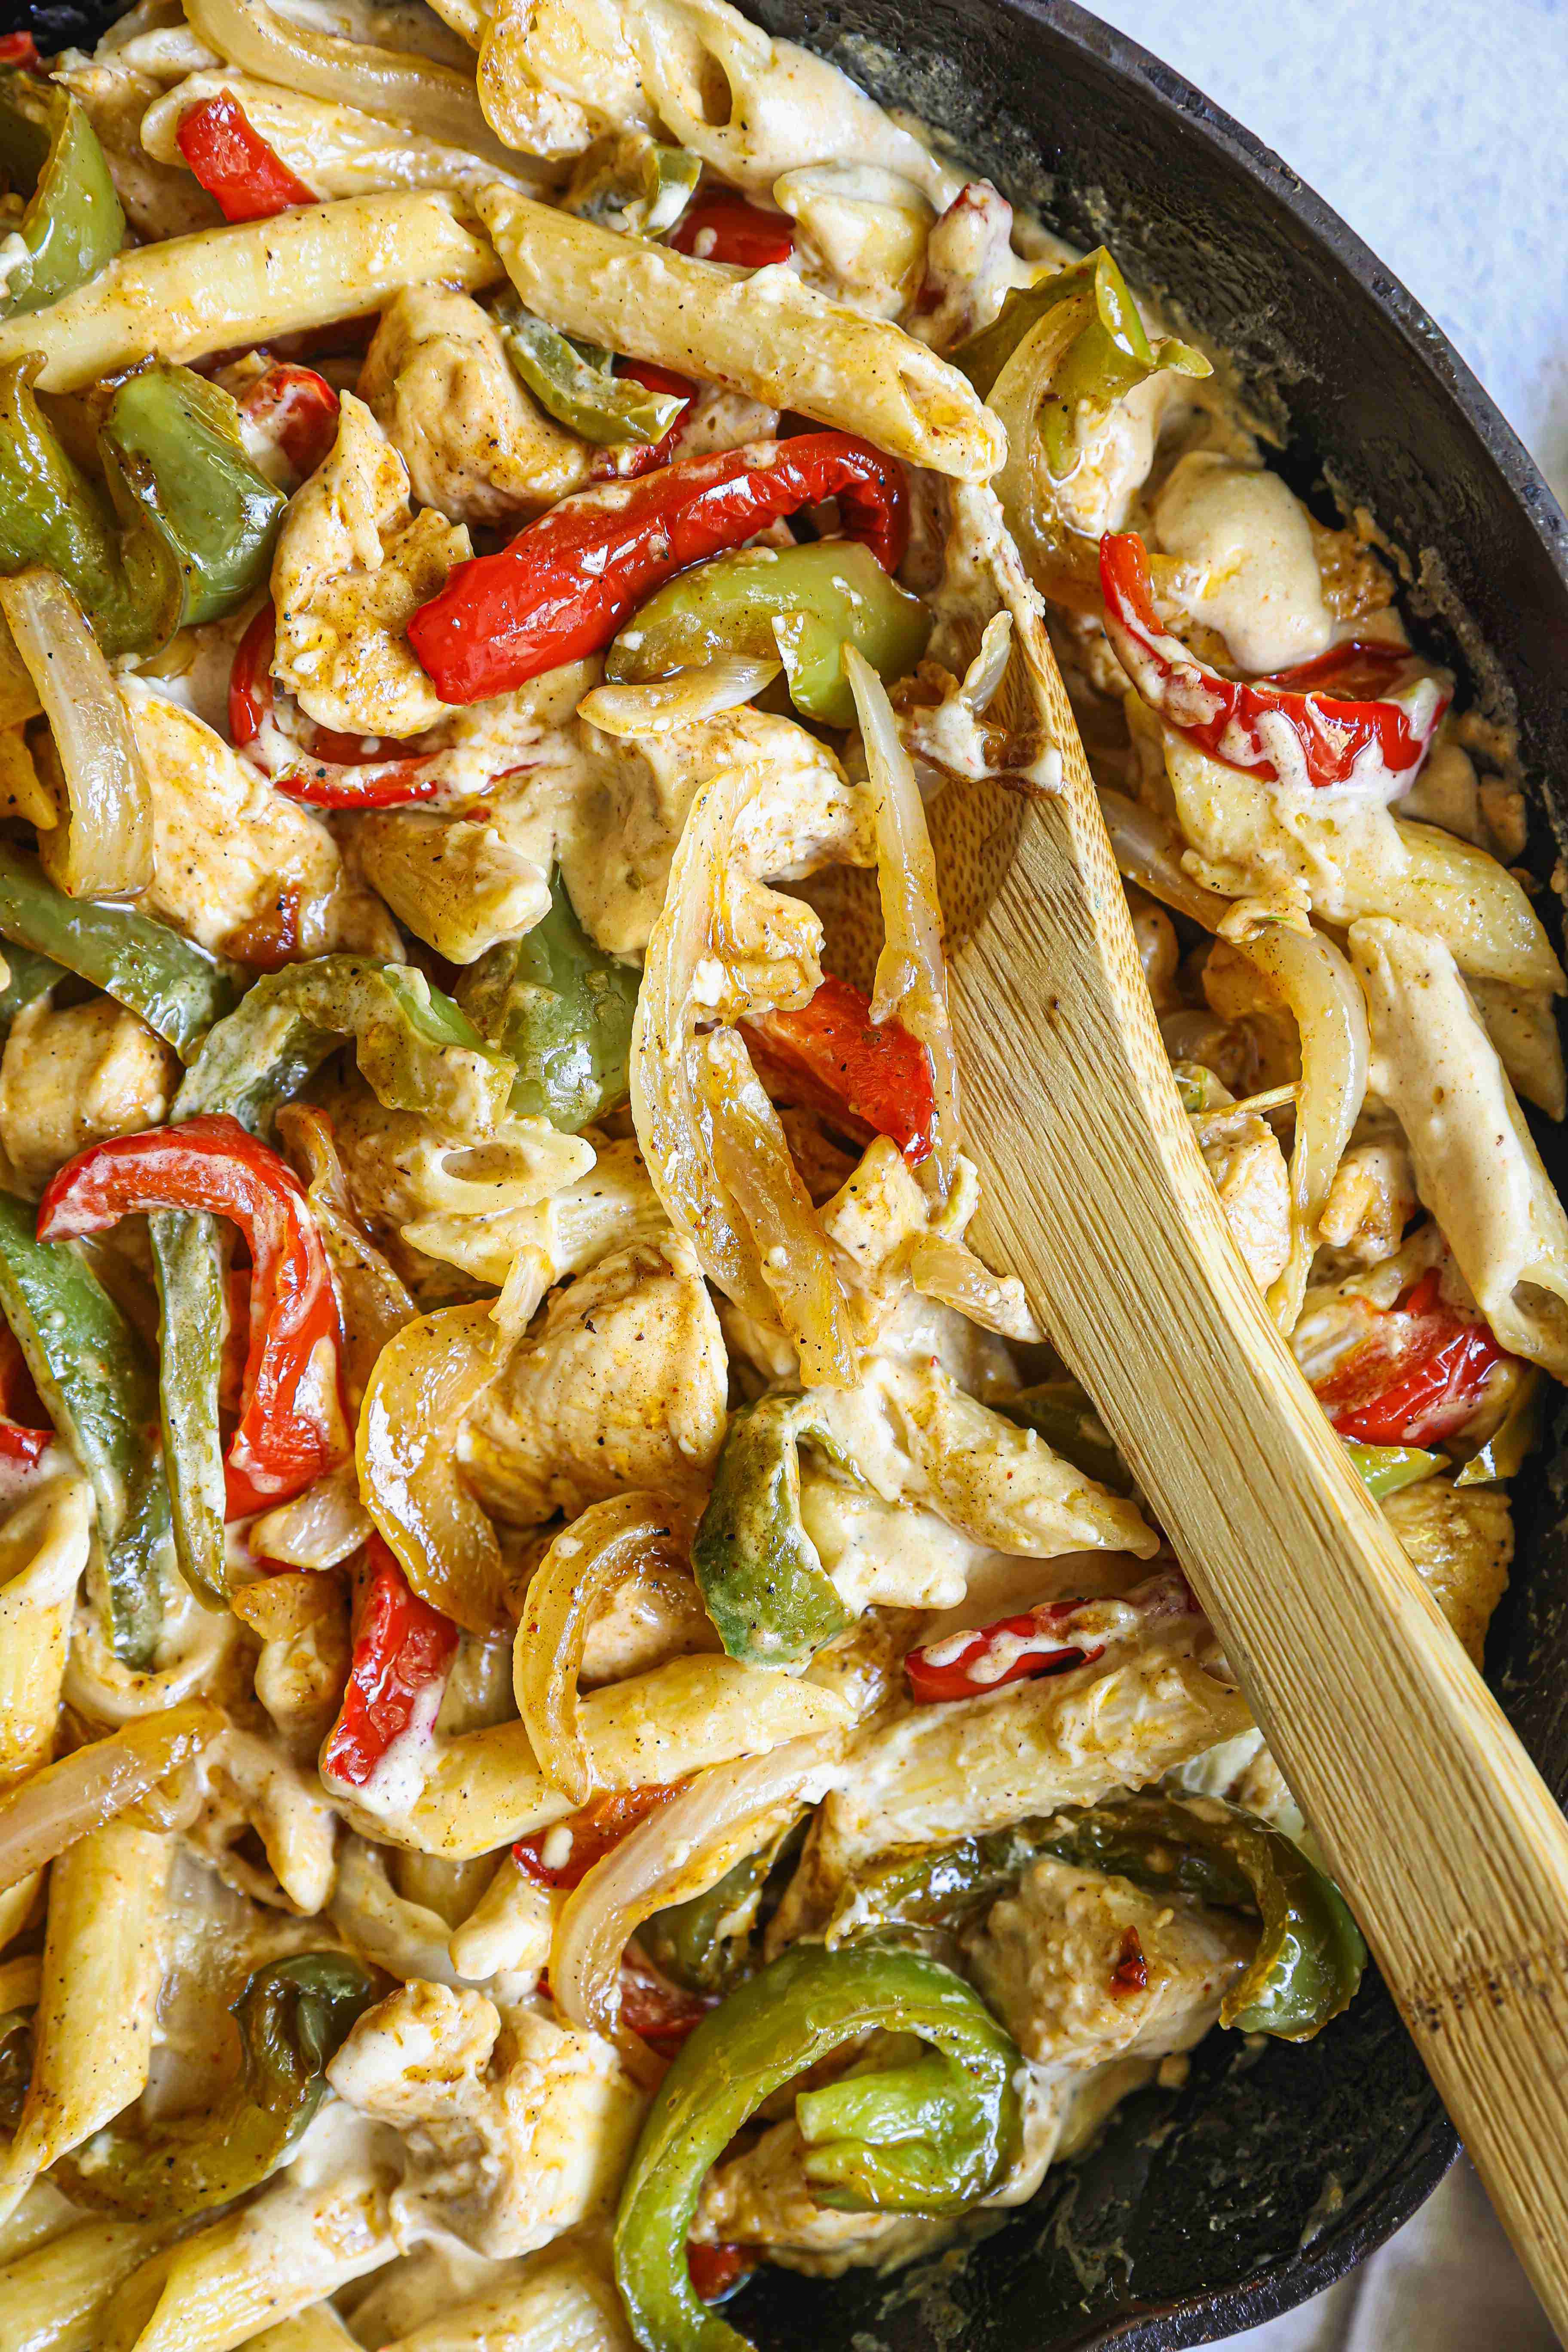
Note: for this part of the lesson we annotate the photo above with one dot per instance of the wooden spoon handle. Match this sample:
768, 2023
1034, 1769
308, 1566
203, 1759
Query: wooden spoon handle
1436, 1824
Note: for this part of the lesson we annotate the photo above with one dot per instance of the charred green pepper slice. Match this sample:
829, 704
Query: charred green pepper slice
575, 382
760, 1577
931, 2139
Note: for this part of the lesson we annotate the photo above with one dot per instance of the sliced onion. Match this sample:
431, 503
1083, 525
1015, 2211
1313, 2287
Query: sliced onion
1316, 983
397, 84
376, 1303
911, 974
755, 1169
664, 705
1322, 991
102, 845
410, 1480
681, 1850
683, 973
317, 1528
948, 1270
602, 1550
43, 1815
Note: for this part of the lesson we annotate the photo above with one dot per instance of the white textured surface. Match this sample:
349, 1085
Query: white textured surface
1440, 134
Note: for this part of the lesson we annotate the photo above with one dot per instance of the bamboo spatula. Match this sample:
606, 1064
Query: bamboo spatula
1436, 1825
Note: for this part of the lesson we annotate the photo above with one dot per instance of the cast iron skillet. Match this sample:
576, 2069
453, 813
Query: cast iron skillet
1211, 2210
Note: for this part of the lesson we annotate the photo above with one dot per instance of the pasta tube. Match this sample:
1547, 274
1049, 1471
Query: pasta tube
101, 1973
485, 1789
767, 335
246, 284
43, 1551
53, 2298
1476, 1167
566, 2307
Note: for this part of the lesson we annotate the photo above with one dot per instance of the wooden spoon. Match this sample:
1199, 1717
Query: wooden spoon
1437, 1825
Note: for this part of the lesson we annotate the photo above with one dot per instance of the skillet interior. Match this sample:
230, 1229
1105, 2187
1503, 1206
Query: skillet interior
1273, 2171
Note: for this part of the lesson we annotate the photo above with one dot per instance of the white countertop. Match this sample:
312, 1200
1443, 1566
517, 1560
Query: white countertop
1440, 134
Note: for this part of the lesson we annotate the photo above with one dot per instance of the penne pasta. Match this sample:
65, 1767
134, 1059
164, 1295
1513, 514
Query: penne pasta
564, 2306
485, 1790
1476, 1166
227, 285
43, 1546
54, 2298
93, 2032
766, 335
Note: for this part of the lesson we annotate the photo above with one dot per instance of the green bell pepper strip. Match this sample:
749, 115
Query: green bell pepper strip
177, 989
1309, 1953
187, 531
701, 1944
72, 224
29, 975
574, 383
1110, 354
1060, 1412
801, 604
1516, 1436
762, 1580
415, 1050
561, 1010
949, 2144
171, 450
1385, 1470
294, 2017
631, 183
99, 1389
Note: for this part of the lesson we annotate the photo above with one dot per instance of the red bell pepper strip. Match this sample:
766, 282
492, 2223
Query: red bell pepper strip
568, 581
335, 770
1264, 729
1419, 1376
26, 1435
661, 2014
291, 1423
587, 1837
297, 410
874, 1070
234, 163
18, 50
402, 1648
716, 2270
727, 228
1359, 667
968, 1665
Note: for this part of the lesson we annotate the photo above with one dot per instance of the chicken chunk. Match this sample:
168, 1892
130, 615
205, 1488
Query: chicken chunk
624, 1386
1254, 1186
160, 199
439, 385
352, 567
1370, 1203
233, 860
72, 1078
1460, 1539
764, 2199
515, 2131
1047, 1961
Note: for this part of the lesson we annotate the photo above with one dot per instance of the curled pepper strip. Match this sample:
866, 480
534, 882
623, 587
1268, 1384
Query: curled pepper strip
874, 1071
1420, 1375
293, 2016
234, 163
895, 2144
1263, 731
559, 1008
332, 770
292, 1426
1013, 1649
561, 1857
401, 1651
73, 222
297, 410
563, 586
